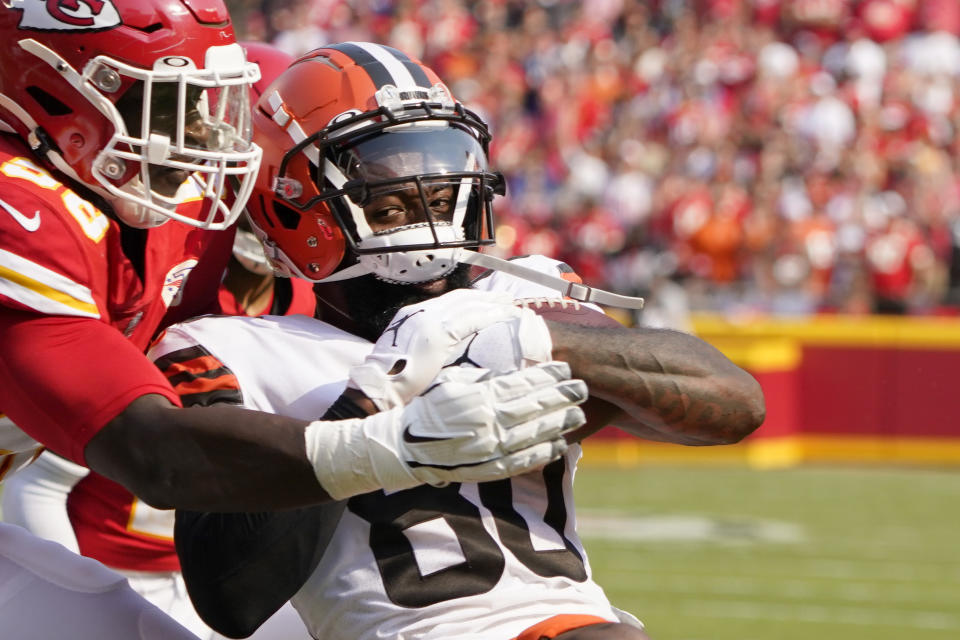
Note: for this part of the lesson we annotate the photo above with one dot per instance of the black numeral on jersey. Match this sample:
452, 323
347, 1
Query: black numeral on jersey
390, 515
513, 531
484, 560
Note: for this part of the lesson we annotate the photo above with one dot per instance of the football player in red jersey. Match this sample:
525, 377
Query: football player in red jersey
124, 122
85, 512
374, 184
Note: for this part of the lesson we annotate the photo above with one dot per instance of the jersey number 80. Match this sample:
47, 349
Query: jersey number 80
484, 561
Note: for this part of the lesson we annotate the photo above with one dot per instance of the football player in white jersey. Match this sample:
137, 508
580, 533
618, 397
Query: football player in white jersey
375, 186
122, 124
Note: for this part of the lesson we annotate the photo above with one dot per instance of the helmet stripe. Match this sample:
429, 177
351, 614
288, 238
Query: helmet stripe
377, 72
385, 65
419, 75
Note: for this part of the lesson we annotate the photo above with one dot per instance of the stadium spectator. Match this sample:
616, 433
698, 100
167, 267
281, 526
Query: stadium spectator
563, 80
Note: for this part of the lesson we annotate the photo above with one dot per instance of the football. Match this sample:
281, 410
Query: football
568, 311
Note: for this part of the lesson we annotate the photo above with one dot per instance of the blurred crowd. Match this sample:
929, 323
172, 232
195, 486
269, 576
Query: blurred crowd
741, 156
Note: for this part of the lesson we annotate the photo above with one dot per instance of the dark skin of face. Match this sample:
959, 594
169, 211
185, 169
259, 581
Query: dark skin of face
164, 121
398, 208
371, 302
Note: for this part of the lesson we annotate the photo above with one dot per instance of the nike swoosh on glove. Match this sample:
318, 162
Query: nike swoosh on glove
471, 426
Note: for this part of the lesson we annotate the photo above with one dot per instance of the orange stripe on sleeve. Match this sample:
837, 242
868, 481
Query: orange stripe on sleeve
199, 378
205, 385
197, 366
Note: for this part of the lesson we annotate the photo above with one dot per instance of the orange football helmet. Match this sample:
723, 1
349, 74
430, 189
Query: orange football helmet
353, 120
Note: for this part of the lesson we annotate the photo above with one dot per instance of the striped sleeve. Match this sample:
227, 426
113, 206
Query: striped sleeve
568, 274
43, 290
199, 378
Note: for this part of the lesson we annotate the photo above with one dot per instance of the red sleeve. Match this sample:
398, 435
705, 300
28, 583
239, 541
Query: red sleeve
62, 379
304, 300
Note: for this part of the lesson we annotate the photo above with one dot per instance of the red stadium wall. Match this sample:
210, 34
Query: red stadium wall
837, 388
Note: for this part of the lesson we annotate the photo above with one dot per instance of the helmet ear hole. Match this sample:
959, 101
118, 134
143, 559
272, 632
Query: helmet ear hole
48, 102
288, 217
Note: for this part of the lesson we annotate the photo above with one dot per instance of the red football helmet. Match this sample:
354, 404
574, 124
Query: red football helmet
272, 62
355, 120
144, 101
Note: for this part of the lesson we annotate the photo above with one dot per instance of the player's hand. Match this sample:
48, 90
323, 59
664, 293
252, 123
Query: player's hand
423, 337
474, 426
471, 426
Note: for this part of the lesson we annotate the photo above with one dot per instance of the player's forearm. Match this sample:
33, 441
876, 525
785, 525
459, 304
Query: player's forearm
669, 386
223, 458
217, 458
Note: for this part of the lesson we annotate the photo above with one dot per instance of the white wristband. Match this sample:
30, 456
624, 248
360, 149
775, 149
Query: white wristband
351, 457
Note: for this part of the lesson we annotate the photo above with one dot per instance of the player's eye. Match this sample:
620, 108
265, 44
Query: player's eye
385, 213
441, 202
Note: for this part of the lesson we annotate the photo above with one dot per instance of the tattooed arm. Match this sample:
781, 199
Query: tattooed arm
659, 384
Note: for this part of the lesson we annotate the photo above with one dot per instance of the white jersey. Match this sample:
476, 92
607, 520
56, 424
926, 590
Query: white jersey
466, 561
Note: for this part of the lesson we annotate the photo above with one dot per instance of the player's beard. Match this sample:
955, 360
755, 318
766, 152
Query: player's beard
372, 303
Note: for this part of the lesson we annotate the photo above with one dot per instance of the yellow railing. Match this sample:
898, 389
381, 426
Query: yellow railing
765, 345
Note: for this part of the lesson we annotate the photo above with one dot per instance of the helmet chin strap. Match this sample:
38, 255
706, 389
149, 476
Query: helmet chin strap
353, 271
250, 253
407, 267
580, 292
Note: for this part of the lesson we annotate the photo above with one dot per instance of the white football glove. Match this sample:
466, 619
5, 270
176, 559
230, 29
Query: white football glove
423, 337
471, 426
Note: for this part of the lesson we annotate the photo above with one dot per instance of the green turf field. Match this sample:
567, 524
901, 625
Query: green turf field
812, 553
824, 553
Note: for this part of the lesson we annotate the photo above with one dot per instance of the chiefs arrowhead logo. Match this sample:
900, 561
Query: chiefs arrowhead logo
173, 284
66, 15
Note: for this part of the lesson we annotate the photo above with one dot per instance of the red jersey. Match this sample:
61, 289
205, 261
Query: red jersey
75, 313
69, 295
291, 296
114, 527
